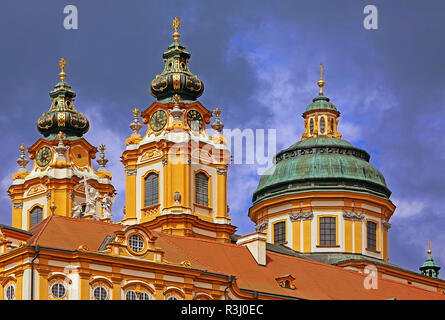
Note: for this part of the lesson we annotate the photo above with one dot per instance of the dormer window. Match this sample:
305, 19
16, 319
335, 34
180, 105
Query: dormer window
286, 282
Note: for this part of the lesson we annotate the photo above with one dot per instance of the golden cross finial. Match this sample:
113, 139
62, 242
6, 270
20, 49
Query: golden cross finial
429, 247
62, 65
175, 26
321, 82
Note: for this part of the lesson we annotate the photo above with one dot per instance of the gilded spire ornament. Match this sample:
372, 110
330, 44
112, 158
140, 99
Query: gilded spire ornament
22, 161
321, 82
217, 124
135, 125
175, 26
102, 160
62, 65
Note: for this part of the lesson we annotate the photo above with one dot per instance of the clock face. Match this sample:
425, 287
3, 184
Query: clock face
44, 156
158, 120
194, 120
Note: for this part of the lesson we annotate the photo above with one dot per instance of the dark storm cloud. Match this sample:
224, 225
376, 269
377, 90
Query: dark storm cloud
259, 62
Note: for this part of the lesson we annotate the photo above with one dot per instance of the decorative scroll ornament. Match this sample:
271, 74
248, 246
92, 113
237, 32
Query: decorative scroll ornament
102, 160
301, 216
221, 171
263, 225
386, 225
351, 215
131, 172
17, 205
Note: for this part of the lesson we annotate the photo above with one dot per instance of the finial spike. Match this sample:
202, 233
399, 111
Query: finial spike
62, 65
175, 26
321, 82
429, 247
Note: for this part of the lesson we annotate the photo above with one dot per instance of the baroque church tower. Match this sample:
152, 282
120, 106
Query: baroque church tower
62, 180
176, 174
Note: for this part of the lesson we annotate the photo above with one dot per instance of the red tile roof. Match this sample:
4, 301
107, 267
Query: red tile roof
313, 280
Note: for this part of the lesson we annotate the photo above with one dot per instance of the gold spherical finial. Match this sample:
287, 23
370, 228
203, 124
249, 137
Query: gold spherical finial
62, 65
175, 26
22, 148
321, 82
135, 112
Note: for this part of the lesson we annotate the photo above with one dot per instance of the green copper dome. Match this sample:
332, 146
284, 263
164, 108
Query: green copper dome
323, 164
321, 103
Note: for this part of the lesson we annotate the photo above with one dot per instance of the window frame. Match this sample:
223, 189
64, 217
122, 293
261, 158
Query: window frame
319, 240
284, 221
12, 286
30, 212
377, 242
145, 203
209, 189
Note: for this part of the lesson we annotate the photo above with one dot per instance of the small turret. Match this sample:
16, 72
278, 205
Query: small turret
430, 268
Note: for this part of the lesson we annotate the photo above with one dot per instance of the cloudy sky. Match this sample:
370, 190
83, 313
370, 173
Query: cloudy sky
259, 61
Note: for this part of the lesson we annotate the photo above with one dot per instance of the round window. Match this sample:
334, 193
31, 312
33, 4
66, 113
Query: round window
58, 290
136, 243
131, 295
10, 292
100, 293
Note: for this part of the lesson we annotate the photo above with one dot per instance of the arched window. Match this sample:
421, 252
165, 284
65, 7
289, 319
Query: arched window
322, 125
332, 125
131, 295
311, 126
151, 189
100, 293
10, 292
202, 189
36, 216
371, 228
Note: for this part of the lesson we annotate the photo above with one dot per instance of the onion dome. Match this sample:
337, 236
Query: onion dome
321, 160
176, 77
62, 115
